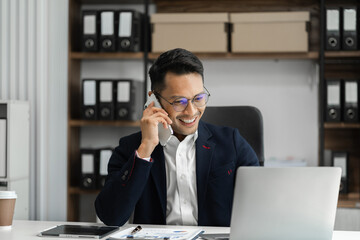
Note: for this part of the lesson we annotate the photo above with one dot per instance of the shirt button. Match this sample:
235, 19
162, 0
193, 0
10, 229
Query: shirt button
182, 177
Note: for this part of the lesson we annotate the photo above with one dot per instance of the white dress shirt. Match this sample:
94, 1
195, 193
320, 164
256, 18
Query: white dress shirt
181, 207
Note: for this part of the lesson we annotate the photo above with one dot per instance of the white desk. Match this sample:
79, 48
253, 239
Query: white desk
27, 230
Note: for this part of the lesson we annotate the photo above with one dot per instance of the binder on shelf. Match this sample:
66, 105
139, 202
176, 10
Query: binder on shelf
340, 159
332, 29
130, 31
90, 31
333, 101
104, 157
349, 29
129, 99
89, 99
3, 146
107, 31
89, 168
105, 100
351, 101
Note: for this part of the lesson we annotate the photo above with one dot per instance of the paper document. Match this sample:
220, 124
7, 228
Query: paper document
158, 233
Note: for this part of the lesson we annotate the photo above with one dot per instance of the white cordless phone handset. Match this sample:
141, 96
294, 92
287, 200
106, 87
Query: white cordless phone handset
164, 133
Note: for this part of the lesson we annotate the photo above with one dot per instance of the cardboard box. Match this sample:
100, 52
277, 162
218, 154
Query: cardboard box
196, 32
269, 32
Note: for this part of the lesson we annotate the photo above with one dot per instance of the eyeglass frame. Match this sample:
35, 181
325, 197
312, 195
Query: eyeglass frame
188, 100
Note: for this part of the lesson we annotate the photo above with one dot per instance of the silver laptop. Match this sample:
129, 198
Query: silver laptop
285, 203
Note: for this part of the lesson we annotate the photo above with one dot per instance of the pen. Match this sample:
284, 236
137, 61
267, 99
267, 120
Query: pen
137, 229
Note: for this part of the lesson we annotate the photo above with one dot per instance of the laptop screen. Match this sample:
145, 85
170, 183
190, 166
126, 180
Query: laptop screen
285, 203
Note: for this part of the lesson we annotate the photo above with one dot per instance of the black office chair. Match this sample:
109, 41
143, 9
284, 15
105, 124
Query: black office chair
247, 119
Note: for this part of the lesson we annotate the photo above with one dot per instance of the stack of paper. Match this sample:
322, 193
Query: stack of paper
158, 233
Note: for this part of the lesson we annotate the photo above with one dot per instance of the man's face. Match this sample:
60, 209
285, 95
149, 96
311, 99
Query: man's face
186, 85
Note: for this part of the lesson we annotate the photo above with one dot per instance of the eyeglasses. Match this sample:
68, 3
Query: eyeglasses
180, 103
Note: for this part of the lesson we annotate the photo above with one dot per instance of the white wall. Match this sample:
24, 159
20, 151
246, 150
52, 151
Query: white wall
286, 93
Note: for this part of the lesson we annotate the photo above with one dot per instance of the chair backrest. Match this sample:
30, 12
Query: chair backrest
247, 119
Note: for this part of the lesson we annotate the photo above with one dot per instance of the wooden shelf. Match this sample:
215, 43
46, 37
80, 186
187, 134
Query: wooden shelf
107, 55
153, 56
341, 125
351, 200
342, 54
77, 190
115, 123
111, 1
221, 56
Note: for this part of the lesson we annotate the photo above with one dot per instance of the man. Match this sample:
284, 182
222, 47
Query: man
187, 179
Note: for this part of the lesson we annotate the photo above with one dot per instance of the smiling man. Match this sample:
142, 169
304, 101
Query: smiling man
187, 179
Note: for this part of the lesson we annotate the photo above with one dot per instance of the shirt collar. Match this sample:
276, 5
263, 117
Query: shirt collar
193, 136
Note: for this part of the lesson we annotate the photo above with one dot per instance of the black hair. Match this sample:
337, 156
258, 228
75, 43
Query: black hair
178, 61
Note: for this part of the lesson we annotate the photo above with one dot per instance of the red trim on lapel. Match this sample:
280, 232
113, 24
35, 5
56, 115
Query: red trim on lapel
132, 168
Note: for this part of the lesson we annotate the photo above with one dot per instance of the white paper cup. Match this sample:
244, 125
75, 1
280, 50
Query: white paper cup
7, 207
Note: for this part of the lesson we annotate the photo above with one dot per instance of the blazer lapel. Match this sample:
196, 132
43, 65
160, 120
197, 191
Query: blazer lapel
158, 173
204, 151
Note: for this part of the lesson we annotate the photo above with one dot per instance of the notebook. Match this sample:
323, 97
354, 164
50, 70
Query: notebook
284, 203
79, 231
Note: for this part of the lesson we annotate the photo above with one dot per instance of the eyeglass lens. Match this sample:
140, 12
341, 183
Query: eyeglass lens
199, 100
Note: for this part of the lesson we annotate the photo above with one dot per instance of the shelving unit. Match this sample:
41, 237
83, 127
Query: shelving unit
336, 136
340, 136
345, 137
75, 123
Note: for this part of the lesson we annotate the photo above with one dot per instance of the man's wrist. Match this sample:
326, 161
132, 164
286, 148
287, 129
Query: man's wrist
145, 150
144, 158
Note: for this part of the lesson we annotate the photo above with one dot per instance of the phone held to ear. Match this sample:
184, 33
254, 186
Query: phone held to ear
164, 133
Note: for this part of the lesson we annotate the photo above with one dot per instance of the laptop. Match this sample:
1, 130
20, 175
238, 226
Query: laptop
284, 203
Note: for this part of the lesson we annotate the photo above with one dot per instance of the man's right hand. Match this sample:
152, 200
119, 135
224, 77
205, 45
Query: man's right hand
149, 122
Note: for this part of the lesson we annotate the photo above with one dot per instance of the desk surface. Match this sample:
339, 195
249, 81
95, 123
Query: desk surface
27, 230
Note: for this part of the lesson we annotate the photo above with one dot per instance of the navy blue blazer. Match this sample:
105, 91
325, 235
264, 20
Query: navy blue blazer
135, 185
